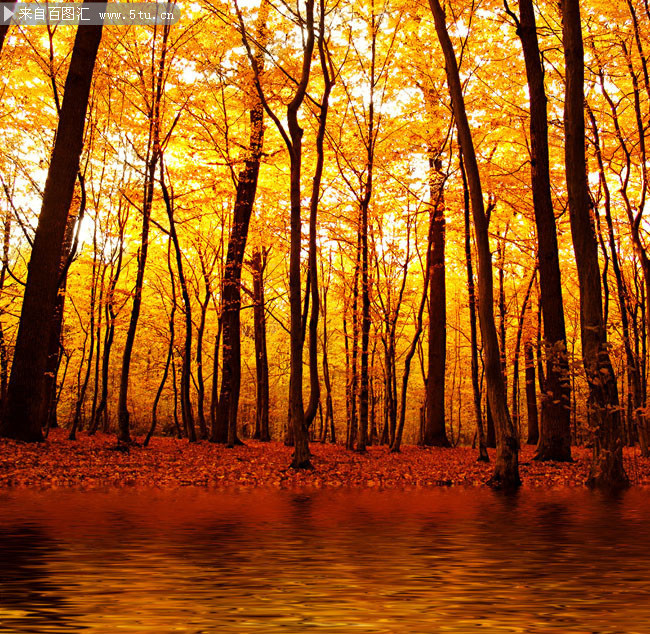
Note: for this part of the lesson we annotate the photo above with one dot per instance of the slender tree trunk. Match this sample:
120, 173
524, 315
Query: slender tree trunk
634, 377
312, 286
354, 377
225, 427
187, 413
111, 315
203, 427
4, 357
329, 408
293, 141
531, 394
258, 264
434, 429
515, 374
555, 424
506, 472
607, 466
476, 386
170, 349
23, 414
153, 155
54, 346
81, 396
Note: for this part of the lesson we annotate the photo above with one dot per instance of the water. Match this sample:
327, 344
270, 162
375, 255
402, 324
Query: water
453, 560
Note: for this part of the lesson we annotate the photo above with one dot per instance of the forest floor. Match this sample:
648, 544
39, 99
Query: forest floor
93, 461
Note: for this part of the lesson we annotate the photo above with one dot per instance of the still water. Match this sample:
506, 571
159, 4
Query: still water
453, 560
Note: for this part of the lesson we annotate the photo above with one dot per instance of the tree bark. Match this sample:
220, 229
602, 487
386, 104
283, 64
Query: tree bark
483, 455
225, 427
607, 467
506, 473
111, 315
434, 430
170, 348
258, 264
531, 394
555, 424
151, 162
22, 417
187, 414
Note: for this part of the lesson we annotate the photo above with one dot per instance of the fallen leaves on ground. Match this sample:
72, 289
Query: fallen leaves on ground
92, 461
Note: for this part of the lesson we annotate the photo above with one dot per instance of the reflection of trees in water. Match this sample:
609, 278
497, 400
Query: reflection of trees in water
452, 554
27, 591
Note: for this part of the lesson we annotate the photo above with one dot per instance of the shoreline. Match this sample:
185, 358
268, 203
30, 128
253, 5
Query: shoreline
92, 462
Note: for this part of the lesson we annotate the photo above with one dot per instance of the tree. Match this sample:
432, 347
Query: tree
24, 411
607, 466
225, 425
506, 470
152, 157
555, 426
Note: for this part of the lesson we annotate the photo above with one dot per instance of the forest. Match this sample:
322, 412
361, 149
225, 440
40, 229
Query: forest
369, 222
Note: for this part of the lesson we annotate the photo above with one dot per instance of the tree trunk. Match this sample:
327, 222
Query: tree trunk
101, 412
329, 408
293, 141
258, 264
225, 427
483, 455
515, 373
4, 357
506, 472
187, 414
531, 394
151, 162
23, 414
434, 428
200, 406
607, 467
170, 349
555, 424
633, 373
81, 396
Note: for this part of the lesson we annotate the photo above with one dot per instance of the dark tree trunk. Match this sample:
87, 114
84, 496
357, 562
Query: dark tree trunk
200, 406
354, 376
637, 414
515, 373
329, 408
397, 443
531, 394
312, 284
506, 472
170, 349
23, 415
293, 141
54, 346
434, 429
101, 412
607, 466
153, 155
555, 424
81, 396
224, 429
187, 414
476, 385
258, 264
4, 356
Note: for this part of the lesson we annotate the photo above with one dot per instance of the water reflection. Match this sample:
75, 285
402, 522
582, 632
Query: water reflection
404, 561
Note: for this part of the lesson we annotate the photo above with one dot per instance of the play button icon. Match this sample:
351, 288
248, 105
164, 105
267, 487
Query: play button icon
7, 15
